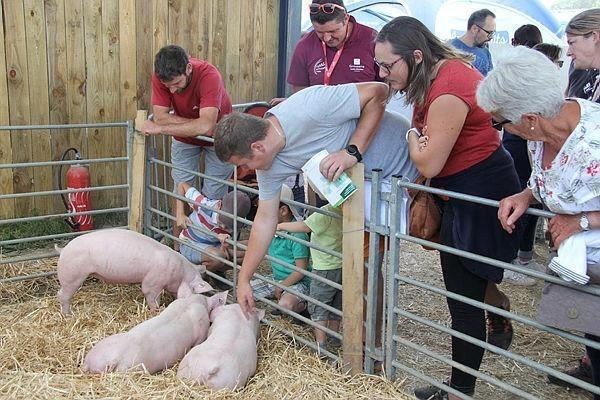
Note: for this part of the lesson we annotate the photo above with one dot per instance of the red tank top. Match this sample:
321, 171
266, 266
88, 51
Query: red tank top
477, 139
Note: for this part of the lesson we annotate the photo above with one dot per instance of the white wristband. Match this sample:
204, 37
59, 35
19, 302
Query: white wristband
415, 130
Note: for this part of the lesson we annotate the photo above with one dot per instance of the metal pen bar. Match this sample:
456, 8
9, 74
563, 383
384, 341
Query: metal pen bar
65, 215
300, 339
430, 380
470, 198
53, 192
392, 287
243, 106
65, 162
249, 223
490, 379
293, 267
499, 264
261, 277
500, 311
13, 260
235, 232
307, 321
48, 237
62, 126
28, 277
372, 289
247, 188
498, 350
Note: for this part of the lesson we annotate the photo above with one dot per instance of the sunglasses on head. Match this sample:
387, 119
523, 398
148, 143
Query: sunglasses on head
498, 125
326, 8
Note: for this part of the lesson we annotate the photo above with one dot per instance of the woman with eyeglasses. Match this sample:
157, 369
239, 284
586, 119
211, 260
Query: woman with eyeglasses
462, 153
583, 38
525, 90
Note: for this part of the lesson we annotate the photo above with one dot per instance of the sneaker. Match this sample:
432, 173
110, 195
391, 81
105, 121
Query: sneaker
499, 330
435, 393
531, 264
583, 371
519, 279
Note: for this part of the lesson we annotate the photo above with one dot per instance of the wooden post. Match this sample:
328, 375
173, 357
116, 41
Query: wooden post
138, 174
353, 273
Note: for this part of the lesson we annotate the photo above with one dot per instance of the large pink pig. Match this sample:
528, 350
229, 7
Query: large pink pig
157, 343
122, 256
227, 359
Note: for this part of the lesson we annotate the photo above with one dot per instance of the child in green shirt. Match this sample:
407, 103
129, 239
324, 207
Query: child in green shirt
327, 233
291, 252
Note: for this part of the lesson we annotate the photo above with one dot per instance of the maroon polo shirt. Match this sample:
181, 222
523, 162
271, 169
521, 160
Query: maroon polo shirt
206, 89
355, 65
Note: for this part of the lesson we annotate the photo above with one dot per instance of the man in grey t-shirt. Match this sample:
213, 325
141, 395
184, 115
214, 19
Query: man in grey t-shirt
349, 121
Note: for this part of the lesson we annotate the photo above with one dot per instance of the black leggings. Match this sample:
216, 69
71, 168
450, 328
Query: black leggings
594, 356
465, 318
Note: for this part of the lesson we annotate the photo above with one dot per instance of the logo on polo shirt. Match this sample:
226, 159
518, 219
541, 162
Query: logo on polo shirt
319, 66
356, 66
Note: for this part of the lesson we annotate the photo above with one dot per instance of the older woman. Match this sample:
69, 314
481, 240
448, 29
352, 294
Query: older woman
462, 153
526, 94
583, 38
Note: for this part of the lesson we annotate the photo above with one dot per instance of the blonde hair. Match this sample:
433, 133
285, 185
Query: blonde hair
584, 23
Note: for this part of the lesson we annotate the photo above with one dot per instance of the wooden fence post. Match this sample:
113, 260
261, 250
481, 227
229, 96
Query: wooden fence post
138, 174
353, 273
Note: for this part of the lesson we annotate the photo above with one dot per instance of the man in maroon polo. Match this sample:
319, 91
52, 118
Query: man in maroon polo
338, 50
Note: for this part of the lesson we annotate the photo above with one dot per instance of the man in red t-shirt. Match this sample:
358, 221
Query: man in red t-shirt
195, 93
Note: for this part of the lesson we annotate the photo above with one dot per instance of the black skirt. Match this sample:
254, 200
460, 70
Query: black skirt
475, 227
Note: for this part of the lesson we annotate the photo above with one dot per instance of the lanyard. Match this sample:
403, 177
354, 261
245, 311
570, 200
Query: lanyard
329, 68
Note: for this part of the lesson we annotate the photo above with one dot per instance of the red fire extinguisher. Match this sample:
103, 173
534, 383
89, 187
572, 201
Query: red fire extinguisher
78, 177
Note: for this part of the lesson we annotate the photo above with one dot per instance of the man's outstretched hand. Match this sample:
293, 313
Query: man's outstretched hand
245, 298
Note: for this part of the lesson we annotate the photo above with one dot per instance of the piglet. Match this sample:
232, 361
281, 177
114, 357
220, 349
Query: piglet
122, 256
157, 343
227, 359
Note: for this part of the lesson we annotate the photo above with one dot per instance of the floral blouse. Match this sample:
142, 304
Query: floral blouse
571, 183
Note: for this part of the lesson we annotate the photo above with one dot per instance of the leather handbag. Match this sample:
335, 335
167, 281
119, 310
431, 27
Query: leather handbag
425, 217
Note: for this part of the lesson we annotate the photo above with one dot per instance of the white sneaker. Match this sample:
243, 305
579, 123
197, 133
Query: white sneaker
518, 279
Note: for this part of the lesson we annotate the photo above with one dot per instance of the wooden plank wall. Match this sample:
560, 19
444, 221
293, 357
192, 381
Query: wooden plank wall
76, 61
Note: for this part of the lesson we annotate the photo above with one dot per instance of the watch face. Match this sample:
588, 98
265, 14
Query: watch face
584, 223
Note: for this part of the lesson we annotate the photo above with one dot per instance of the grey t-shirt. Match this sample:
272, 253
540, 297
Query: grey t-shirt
325, 117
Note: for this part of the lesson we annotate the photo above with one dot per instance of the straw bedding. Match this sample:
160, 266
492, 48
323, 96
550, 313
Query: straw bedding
40, 351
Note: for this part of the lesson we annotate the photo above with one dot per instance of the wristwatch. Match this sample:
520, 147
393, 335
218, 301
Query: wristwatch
584, 222
353, 151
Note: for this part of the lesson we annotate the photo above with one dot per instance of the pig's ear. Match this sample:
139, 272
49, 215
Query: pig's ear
201, 268
261, 314
222, 297
201, 286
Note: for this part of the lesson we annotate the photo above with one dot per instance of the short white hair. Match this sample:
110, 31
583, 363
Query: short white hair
523, 81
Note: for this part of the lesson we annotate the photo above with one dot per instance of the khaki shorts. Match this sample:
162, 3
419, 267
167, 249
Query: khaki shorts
325, 294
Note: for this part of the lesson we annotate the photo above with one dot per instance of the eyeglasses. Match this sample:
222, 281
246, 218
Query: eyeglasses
387, 67
327, 8
490, 34
498, 125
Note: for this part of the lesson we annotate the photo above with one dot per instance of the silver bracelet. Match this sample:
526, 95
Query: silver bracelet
415, 130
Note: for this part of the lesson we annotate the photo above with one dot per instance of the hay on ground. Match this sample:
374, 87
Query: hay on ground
40, 351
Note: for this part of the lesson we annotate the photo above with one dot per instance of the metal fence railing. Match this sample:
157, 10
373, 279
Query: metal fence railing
44, 240
398, 343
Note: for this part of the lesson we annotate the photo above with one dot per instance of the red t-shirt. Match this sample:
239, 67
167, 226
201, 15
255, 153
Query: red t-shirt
206, 89
356, 63
477, 139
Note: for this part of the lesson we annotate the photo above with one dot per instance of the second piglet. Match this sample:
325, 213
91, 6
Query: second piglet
122, 256
227, 359
159, 342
